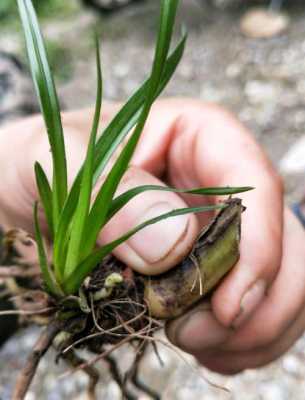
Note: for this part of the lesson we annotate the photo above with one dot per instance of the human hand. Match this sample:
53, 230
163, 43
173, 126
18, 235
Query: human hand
189, 144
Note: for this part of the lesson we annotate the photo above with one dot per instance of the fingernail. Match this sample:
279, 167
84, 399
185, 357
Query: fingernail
250, 302
154, 242
198, 331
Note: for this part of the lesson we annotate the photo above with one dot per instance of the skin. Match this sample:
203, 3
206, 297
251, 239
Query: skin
258, 311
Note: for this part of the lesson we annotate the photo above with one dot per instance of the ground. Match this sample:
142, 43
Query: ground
262, 81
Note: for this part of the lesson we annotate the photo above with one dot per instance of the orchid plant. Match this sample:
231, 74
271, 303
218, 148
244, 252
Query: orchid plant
74, 219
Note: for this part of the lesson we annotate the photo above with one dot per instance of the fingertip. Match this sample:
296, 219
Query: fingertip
238, 297
160, 246
197, 331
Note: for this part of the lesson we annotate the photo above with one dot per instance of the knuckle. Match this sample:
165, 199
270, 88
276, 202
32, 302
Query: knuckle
198, 109
215, 112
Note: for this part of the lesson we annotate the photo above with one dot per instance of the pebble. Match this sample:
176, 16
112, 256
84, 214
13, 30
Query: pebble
260, 91
293, 162
211, 93
292, 364
273, 391
30, 396
233, 70
260, 23
113, 391
121, 70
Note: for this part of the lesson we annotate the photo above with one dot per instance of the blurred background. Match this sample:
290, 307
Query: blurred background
248, 60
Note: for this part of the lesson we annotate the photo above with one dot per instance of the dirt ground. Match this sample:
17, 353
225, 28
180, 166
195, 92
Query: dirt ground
262, 81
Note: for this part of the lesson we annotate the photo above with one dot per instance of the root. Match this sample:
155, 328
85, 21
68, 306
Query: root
27, 373
133, 374
74, 361
116, 376
157, 354
198, 275
112, 331
97, 358
178, 353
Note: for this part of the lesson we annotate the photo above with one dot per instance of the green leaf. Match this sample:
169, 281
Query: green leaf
64, 227
49, 104
98, 214
82, 210
46, 271
108, 142
73, 282
129, 114
119, 202
45, 194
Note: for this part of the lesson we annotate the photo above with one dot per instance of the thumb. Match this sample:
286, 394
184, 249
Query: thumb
158, 247
153, 250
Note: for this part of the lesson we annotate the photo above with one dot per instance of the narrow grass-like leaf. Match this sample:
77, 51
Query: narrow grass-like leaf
64, 227
120, 201
47, 273
97, 216
82, 210
73, 282
108, 142
45, 194
129, 114
49, 104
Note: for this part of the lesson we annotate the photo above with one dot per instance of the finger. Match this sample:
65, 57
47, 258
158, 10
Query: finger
233, 362
158, 247
198, 330
24, 142
286, 297
272, 326
225, 154
279, 321
202, 145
